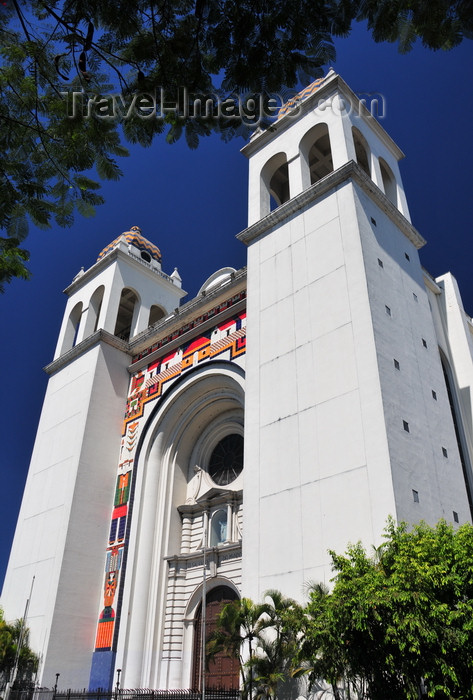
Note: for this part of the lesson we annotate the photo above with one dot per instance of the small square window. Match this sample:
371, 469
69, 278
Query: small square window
380, 263
397, 365
415, 496
415, 296
434, 395
388, 310
444, 452
455, 516
424, 342
406, 256
373, 221
405, 425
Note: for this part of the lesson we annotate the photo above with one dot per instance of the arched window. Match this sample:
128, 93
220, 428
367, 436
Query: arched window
218, 528
224, 671
389, 181
156, 313
316, 155
274, 183
93, 313
279, 186
126, 310
72, 328
361, 150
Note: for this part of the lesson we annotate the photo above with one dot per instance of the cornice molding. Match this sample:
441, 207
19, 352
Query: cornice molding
183, 314
99, 336
351, 171
130, 259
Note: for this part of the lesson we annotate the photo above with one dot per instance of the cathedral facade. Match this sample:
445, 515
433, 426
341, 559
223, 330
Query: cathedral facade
196, 453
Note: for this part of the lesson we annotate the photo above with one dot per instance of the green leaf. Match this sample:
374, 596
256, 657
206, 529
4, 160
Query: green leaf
85, 208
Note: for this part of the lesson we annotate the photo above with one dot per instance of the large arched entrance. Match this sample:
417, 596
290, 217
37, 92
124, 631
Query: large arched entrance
188, 493
224, 671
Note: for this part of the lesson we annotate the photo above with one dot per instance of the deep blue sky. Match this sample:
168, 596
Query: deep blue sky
193, 203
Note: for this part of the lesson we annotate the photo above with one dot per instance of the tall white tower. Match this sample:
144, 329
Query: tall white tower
356, 362
347, 417
64, 515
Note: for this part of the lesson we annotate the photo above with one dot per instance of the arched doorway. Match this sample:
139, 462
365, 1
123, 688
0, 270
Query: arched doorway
224, 671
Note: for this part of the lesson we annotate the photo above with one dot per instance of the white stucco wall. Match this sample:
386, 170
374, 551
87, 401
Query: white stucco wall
330, 457
62, 526
417, 460
454, 330
316, 448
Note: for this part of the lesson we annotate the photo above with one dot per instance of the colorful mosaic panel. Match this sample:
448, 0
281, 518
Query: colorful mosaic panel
122, 491
229, 337
226, 340
294, 101
192, 324
107, 616
105, 631
134, 237
113, 531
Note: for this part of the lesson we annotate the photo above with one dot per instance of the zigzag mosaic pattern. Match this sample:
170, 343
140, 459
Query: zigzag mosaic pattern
294, 101
145, 388
134, 237
192, 324
229, 337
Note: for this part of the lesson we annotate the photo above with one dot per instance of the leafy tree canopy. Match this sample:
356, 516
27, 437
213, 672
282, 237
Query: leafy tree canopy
11, 635
261, 637
78, 78
399, 624
239, 624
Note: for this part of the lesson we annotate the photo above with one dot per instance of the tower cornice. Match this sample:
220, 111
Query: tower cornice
129, 258
185, 317
100, 336
349, 171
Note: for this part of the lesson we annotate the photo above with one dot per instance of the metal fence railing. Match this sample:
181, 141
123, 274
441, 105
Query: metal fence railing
124, 694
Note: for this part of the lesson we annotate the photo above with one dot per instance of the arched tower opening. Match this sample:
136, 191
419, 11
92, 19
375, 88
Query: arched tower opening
389, 182
156, 313
274, 183
125, 315
316, 155
93, 313
279, 186
72, 328
362, 150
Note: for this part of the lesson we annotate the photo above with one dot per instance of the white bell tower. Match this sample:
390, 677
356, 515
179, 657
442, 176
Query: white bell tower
66, 505
343, 359
123, 293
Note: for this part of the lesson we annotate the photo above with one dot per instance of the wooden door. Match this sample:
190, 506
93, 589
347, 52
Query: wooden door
224, 671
